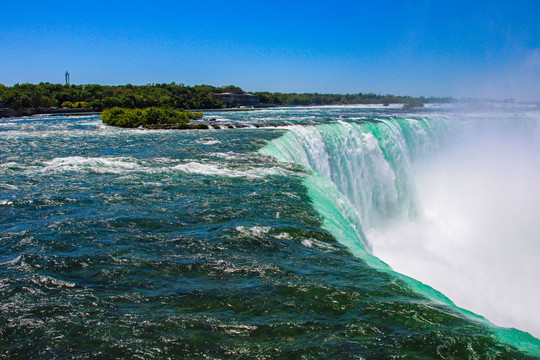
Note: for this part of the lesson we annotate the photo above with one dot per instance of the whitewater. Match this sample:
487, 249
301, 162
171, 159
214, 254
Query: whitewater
340, 232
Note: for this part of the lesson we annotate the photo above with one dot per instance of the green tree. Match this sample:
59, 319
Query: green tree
80, 104
96, 105
22, 102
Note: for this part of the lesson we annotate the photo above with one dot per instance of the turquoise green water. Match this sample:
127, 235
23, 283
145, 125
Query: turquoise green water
243, 243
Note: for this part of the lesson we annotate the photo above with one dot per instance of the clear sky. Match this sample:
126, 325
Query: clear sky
458, 48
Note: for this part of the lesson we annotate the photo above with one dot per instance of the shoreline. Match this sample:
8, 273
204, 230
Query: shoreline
10, 113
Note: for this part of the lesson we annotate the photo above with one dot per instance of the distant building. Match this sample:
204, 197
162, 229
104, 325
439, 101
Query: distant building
237, 98
67, 78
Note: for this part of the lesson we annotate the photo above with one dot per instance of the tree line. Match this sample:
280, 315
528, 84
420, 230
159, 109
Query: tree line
176, 96
278, 98
99, 97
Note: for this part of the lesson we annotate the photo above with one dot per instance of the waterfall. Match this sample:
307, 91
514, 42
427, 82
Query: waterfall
364, 182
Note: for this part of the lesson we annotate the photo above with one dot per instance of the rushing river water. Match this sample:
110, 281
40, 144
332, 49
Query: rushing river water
344, 232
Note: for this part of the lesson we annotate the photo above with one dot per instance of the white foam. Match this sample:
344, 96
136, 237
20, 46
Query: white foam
229, 155
101, 165
254, 231
206, 141
307, 243
125, 165
50, 281
284, 236
8, 164
212, 169
314, 243
9, 186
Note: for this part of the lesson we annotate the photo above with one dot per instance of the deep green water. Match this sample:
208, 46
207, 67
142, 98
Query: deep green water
221, 243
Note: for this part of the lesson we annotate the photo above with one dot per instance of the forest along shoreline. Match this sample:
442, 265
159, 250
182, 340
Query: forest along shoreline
10, 113
45, 98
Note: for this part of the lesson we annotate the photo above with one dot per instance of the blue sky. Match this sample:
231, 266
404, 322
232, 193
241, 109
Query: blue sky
456, 48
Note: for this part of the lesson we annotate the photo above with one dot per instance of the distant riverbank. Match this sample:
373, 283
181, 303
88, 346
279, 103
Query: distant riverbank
17, 99
8, 113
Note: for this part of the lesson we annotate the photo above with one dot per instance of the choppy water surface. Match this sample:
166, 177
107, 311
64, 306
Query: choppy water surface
190, 244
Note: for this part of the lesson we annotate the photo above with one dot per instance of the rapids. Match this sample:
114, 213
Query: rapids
321, 232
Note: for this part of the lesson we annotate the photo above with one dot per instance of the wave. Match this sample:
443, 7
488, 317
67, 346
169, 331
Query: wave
212, 169
100, 165
364, 182
127, 165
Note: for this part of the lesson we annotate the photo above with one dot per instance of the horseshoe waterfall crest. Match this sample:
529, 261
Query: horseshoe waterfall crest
362, 180
361, 170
